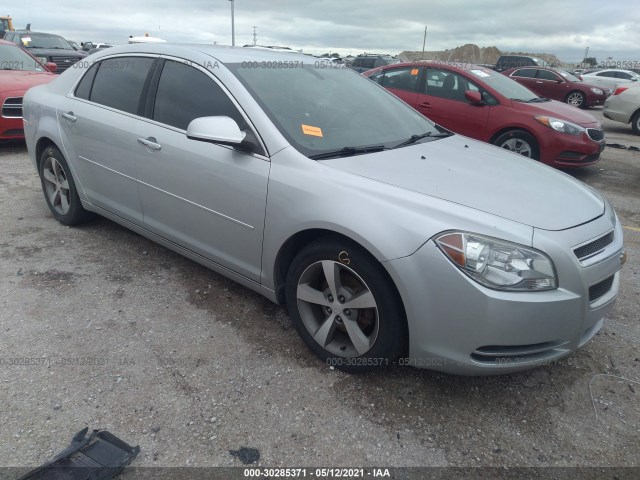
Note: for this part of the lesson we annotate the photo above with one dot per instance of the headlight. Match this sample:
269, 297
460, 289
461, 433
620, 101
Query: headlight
560, 125
498, 264
597, 91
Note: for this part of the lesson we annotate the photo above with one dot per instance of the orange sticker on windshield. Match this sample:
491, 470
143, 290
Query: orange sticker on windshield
313, 131
414, 71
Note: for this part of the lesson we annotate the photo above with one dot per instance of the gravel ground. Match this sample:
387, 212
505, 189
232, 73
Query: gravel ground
122, 334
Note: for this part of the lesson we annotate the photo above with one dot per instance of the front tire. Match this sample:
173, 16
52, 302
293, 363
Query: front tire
59, 188
576, 99
344, 306
520, 142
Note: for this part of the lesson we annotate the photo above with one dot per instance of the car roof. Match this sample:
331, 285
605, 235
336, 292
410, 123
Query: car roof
614, 70
223, 54
453, 66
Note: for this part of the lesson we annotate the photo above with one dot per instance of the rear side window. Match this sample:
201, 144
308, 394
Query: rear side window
524, 73
401, 78
83, 90
606, 74
185, 93
119, 82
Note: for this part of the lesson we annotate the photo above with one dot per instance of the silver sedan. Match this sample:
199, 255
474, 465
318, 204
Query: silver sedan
624, 106
389, 239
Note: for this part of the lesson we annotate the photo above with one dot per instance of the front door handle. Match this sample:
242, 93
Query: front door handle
425, 105
69, 116
150, 143
539, 81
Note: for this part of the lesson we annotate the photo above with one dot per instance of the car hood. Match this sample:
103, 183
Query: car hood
482, 177
559, 110
22, 79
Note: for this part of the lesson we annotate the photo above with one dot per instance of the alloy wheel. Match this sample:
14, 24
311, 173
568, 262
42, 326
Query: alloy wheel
337, 308
56, 185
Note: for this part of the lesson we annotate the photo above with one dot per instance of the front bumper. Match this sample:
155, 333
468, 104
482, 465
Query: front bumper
458, 326
563, 150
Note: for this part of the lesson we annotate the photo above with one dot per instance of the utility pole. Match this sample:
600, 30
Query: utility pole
233, 27
424, 41
255, 38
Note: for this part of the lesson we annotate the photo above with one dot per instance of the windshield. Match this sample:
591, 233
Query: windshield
13, 58
568, 76
36, 40
322, 110
503, 84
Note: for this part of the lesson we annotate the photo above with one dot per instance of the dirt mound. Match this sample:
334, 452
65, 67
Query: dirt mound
471, 53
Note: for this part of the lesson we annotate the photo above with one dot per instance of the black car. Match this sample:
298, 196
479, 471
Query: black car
46, 47
505, 62
365, 62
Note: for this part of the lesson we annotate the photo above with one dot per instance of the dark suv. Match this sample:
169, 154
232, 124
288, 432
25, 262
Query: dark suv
46, 47
365, 62
505, 62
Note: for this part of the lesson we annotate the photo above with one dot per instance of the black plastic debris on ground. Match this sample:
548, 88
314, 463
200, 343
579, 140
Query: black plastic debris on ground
246, 455
98, 456
616, 145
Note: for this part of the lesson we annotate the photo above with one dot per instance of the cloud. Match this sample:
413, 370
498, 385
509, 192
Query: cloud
562, 28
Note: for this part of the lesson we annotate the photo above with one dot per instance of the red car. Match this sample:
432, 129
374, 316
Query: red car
19, 71
559, 85
486, 105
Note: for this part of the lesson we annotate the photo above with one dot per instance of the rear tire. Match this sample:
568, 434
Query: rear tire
520, 142
345, 307
59, 189
635, 123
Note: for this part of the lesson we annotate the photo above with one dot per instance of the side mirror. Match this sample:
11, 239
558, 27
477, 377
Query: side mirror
52, 67
473, 97
634, 79
215, 130
222, 130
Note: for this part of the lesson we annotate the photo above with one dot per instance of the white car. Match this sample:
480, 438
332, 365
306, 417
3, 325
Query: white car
611, 77
624, 106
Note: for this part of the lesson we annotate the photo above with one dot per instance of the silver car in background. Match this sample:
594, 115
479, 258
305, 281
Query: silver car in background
388, 238
624, 106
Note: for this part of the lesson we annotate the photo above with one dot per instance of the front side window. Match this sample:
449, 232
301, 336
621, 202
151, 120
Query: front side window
119, 82
401, 78
450, 85
185, 93
547, 75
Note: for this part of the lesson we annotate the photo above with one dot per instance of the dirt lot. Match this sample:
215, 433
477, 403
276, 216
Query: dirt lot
124, 335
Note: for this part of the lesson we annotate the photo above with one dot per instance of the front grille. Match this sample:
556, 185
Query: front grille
593, 248
64, 62
595, 134
512, 354
600, 289
12, 107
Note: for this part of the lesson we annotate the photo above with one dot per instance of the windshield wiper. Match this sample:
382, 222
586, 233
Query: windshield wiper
539, 99
415, 138
347, 152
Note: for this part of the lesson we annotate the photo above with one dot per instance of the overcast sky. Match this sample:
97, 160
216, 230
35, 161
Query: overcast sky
565, 28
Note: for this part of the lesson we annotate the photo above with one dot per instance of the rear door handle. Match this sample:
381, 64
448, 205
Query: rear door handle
150, 143
69, 116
